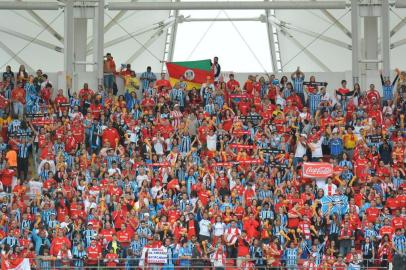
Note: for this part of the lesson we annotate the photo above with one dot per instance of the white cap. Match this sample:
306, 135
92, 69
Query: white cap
303, 135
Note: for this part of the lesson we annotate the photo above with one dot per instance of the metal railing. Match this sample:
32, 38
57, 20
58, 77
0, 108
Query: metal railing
189, 264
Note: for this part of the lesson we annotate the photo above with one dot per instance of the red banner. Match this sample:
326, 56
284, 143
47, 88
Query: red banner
250, 161
239, 96
241, 146
223, 164
241, 132
42, 121
317, 169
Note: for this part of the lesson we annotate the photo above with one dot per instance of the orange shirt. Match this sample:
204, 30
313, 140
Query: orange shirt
11, 157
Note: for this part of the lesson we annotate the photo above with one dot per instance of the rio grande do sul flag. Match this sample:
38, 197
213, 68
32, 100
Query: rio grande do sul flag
15, 264
194, 73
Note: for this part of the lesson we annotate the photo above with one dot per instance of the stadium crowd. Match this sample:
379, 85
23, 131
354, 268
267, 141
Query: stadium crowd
210, 177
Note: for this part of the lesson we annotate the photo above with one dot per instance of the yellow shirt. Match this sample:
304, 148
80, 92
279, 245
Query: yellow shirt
349, 141
131, 83
5, 121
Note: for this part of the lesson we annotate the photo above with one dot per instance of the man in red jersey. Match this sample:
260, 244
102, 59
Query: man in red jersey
111, 135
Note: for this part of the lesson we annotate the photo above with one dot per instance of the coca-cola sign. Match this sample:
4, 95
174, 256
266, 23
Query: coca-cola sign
317, 169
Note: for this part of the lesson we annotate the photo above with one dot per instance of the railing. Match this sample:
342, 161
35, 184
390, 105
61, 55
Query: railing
132, 263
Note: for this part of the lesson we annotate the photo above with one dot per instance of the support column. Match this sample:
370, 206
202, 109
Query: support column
271, 41
69, 44
385, 39
174, 32
98, 41
80, 43
355, 23
371, 41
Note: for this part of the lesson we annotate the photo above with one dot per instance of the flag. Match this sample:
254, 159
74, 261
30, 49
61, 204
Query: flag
339, 204
195, 73
15, 264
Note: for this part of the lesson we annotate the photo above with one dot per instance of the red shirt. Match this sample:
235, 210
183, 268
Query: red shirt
232, 84
57, 244
372, 214
124, 237
96, 110
162, 84
398, 222
85, 93
107, 234
93, 254
111, 259
7, 177
18, 94
61, 100
111, 134
386, 230
45, 93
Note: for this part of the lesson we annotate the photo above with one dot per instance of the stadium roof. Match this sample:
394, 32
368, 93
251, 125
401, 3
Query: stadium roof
315, 39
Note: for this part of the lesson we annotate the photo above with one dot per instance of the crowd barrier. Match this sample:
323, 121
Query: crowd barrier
134, 264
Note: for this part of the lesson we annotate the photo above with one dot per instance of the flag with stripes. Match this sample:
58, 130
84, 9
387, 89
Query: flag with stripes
339, 204
194, 73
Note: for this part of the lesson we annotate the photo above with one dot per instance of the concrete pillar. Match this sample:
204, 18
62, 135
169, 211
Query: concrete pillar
371, 41
69, 45
80, 43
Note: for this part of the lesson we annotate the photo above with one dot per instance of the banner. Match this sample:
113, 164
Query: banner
159, 164
241, 146
195, 73
239, 96
317, 169
223, 164
241, 132
157, 255
239, 162
42, 121
250, 117
16, 264
339, 204
250, 161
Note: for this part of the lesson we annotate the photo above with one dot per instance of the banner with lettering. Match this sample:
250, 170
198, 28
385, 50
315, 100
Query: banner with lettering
317, 169
157, 255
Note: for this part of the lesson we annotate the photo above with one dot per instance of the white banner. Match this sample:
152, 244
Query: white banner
157, 255
23, 265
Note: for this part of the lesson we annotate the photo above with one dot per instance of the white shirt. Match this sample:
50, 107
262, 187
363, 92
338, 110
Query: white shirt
35, 188
300, 150
158, 146
112, 171
89, 205
212, 142
332, 189
219, 229
204, 226
141, 178
317, 151
154, 191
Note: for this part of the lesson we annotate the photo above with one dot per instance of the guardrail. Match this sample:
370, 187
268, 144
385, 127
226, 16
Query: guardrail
189, 264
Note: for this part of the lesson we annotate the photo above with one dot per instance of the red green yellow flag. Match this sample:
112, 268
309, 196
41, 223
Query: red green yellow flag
194, 73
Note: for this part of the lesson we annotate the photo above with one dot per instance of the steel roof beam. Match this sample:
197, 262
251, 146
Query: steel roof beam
31, 39
15, 57
12, 5
227, 5
44, 24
